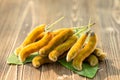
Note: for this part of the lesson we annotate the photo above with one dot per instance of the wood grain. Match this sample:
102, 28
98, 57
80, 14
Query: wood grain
18, 17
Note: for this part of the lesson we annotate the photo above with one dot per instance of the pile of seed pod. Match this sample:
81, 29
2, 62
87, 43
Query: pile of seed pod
58, 44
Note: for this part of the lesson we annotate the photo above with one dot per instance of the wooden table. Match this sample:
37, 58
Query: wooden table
18, 17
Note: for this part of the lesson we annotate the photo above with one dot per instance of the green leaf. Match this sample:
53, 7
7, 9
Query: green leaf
87, 71
13, 59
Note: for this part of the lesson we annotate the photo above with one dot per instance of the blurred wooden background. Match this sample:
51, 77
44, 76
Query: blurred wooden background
18, 17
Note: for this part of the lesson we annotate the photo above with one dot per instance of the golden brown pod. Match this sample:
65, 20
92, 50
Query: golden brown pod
39, 60
58, 39
33, 47
100, 54
85, 52
92, 60
76, 47
60, 49
31, 37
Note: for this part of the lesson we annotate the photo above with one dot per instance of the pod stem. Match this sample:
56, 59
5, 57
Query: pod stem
84, 28
51, 25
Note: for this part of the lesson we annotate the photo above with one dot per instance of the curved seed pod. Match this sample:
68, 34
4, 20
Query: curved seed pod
39, 60
99, 53
31, 37
33, 47
92, 60
60, 49
58, 39
76, 47
85, 52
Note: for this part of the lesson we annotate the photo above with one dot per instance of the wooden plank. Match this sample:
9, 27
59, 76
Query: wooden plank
8, 34
19, 17
23, 30
107, 30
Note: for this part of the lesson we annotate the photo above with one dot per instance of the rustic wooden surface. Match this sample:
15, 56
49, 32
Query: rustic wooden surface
18, 17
